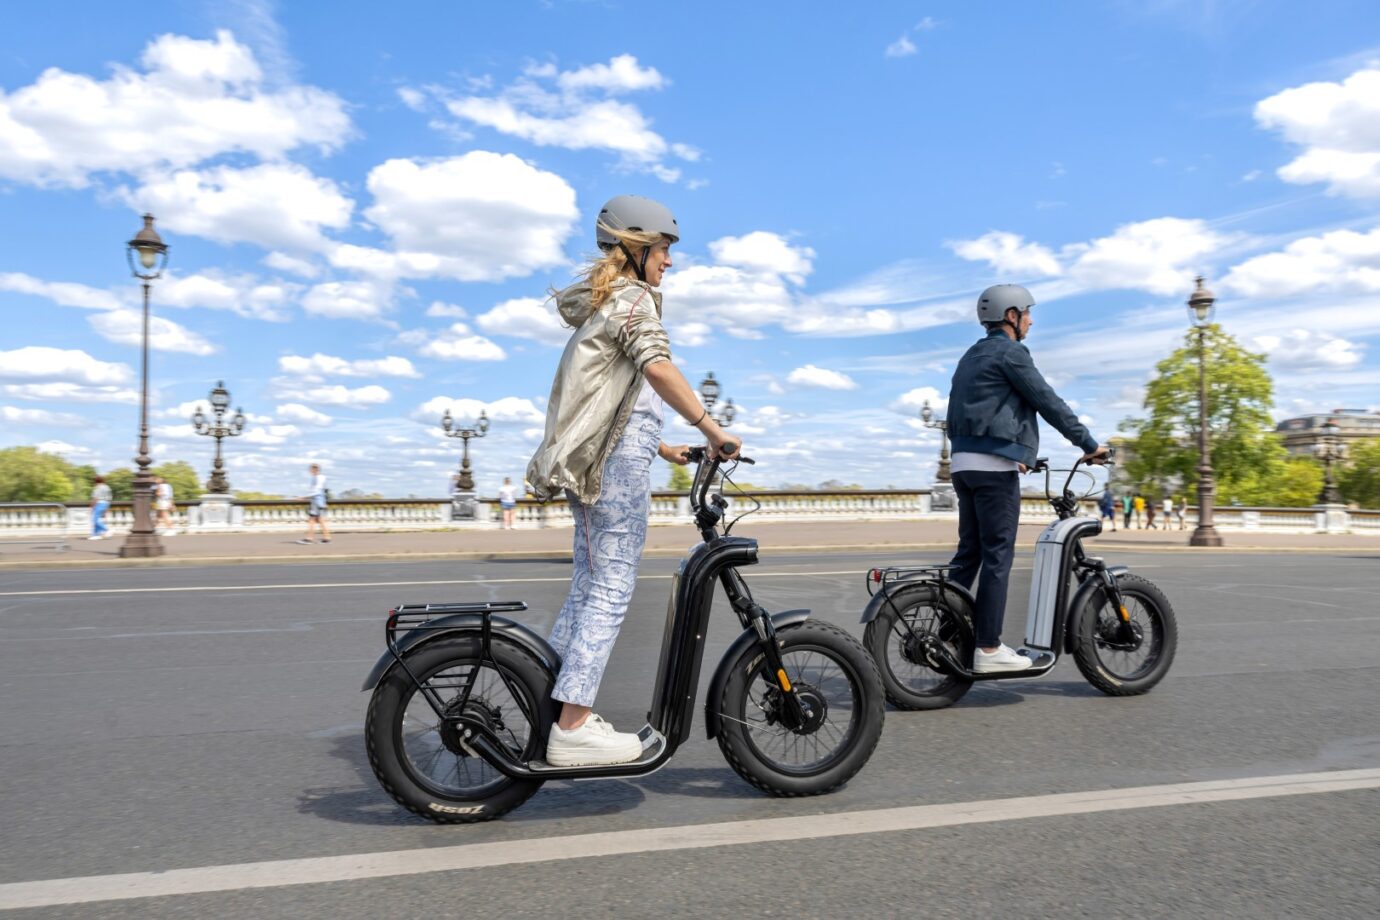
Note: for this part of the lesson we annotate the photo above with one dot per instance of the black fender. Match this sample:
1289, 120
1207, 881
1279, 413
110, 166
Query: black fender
466, 622
748, 637
957, 595
1073, 627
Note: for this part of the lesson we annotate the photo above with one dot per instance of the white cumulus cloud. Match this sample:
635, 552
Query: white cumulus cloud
274, 205
480, 216
821, 378
193, 100
458, 343
16, 416
319, 365
296, 412
526, 318
507, 409
63, 293
40, 363
1009, 254
126, 328
1342, 261
337, 395
1338, 125
1310, 349
349, 299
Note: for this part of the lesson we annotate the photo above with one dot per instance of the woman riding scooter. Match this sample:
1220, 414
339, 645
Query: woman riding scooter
603, 427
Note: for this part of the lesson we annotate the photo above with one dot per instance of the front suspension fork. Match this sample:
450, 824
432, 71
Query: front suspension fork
1112, 592
794, 712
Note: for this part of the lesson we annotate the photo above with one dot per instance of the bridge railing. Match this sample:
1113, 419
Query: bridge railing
223, 514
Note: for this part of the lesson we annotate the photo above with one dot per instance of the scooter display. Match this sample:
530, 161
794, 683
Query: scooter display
1119, 627
461, 705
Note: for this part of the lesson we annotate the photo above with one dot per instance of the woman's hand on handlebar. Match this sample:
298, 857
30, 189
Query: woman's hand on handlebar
678, 454
723, 445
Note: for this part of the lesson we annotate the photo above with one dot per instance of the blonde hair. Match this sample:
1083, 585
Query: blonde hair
613, 263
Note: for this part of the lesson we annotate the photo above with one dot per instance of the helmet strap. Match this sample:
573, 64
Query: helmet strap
639, 265
1016, 326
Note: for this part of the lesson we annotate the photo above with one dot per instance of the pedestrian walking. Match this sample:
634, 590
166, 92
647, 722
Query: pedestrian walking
1138, 503
1168, 509
507, 502
1179, 508
100, 504
1107, 507
1126, 510
163, 505
1150, 515
316, 510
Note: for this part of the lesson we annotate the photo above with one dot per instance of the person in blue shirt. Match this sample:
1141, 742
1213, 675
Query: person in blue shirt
997, 393
1106, 507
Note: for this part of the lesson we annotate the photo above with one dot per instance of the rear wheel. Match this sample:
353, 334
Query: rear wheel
416, 754
1122, 662
833, 676
894, 641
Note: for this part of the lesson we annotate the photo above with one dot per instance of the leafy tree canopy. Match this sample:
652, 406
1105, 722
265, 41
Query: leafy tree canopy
1359, 477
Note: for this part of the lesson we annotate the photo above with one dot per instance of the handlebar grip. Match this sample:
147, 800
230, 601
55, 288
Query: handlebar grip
728, 449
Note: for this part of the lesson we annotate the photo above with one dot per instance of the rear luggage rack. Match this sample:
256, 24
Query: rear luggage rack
407, 617
881, 577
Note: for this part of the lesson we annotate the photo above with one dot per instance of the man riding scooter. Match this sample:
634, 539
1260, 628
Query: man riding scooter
995, 397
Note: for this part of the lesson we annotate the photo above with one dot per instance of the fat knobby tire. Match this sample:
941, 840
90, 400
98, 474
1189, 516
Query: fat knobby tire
1085, 627
382, 728
884, 630
738, 751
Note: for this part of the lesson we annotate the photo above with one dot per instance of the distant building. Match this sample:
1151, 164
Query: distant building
1302, 435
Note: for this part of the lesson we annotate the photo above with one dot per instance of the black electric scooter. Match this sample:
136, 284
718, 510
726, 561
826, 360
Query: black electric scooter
1119, 627
461, 705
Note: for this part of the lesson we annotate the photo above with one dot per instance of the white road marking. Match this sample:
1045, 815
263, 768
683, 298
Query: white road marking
319, 870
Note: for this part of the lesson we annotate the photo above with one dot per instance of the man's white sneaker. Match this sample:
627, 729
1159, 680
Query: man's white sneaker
594, 742
1003, 659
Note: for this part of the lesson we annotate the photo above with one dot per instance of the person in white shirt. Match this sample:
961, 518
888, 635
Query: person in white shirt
507, 500
163, 504
316, 513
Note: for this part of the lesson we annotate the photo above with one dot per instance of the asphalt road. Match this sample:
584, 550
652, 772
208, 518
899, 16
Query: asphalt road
148, 727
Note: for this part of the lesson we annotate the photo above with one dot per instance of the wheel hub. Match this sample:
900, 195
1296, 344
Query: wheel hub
1112, 636
811, 700
476, 712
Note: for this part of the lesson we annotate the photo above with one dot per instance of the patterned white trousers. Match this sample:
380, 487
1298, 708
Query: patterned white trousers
609, 535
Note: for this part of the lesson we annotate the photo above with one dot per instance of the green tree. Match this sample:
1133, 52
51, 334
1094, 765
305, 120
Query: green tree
1291, 482
182, 477
1245, 451
27, 474
121, 482
680, 480
1359, 478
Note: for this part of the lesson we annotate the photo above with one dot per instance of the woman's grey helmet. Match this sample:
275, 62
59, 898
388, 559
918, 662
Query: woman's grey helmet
633, 212
996, 300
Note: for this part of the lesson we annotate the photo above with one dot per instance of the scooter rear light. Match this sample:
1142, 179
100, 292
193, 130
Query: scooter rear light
876, 575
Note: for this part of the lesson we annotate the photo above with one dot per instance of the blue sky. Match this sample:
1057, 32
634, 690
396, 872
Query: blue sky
365, 209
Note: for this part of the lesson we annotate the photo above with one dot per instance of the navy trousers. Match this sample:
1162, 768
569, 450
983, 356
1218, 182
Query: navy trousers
989, 508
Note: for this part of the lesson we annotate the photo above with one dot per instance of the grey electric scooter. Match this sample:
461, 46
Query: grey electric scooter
1119, 627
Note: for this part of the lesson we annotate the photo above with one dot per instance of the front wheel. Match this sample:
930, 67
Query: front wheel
1122, 662
416, 753
839, 685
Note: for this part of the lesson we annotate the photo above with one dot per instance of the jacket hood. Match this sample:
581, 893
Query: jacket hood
574, 304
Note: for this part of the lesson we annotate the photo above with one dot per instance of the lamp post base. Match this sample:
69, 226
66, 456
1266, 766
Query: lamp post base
1205, 536
141, 546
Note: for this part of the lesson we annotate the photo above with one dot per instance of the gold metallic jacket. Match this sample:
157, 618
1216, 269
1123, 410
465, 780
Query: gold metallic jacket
597, 384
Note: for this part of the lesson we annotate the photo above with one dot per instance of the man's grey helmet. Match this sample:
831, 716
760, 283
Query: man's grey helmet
996, 300
633, 212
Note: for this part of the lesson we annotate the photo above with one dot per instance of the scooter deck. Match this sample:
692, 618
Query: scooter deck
653, 743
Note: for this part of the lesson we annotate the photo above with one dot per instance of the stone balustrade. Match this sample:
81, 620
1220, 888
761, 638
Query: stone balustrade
220, 514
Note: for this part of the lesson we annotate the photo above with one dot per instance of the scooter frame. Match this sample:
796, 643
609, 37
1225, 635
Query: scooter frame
1051, 626
715, 560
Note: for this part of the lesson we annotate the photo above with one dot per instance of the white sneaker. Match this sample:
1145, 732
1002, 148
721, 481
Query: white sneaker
593, 743
1003, 659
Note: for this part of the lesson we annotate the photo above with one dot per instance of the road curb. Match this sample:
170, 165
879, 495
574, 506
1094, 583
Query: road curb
564, 556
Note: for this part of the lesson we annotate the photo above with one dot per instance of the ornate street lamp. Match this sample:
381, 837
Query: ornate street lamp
709, 392
218, 429
927, 417
1330, 450
466, 481
1200, 308
148, 256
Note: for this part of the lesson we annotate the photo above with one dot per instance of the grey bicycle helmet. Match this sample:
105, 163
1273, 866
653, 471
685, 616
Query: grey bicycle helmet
996, 300
633, 212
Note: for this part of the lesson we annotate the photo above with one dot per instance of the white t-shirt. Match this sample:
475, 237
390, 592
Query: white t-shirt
1169, 506
165, 492
650, 403
318, 486
507, 493
969, 462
